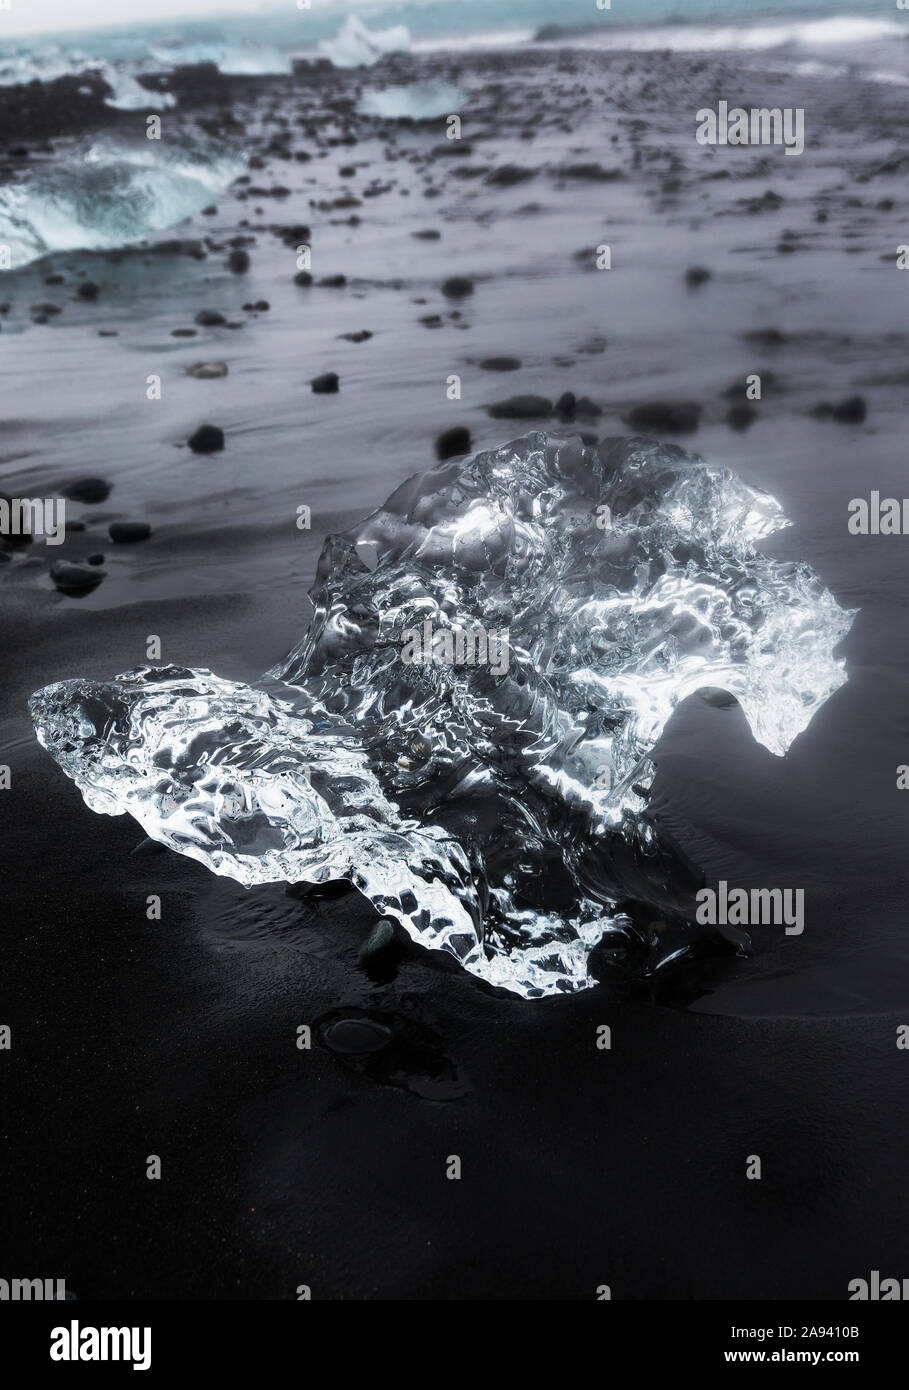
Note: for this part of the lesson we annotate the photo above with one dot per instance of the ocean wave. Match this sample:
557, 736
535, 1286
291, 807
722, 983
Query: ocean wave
704, 38
355, 46
495, 806
233, 60
838, 71
108, 195
466, 43
43, 65
126, 93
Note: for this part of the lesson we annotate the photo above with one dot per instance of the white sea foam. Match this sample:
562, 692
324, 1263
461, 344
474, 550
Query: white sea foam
698, 38
355, 46
110, 195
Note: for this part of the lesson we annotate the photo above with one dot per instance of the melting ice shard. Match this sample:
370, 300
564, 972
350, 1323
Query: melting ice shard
497, 813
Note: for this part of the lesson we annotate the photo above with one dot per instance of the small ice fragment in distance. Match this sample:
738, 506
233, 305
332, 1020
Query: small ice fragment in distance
497, 811
355, 46
421, 101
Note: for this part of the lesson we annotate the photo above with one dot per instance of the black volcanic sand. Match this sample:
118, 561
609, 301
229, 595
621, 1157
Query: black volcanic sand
177, 1037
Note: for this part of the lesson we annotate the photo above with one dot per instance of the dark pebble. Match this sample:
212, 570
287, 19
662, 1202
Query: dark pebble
568, 407
325, 385
765, 337
357, 1036
208, 439
379, 939
238, 261
209, 318
696, 275
457, 287
88, 290
520, 408
500, 364
122, 532
453, 443
207, 371
852, 411
681, 417
508, 175
594, 173
87, 490
74, 579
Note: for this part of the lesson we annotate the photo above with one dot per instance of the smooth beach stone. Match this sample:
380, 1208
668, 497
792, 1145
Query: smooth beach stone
678, 417
500, 364
74, 579
453, 442
520, 408
851, 411
123, 532
207, 371
208, 439
356, 1036
87, 490
378, 940
457, 287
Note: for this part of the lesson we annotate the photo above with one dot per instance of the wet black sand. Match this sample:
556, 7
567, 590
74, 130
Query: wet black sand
580, 1167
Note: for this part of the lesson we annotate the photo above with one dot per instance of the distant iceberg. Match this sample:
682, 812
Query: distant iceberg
355, 46
421, 101
231, 59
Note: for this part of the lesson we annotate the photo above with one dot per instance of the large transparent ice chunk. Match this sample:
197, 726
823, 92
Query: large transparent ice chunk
490, 794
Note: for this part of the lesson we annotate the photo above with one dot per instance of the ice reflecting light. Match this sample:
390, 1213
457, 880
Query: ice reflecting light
498, 812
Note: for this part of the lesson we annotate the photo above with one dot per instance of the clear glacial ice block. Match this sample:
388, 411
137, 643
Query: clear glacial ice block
497, 811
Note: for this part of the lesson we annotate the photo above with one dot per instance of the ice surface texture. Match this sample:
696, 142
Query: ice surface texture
499, 817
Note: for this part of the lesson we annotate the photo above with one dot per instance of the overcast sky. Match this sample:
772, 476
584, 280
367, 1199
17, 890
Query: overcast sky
34, 16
